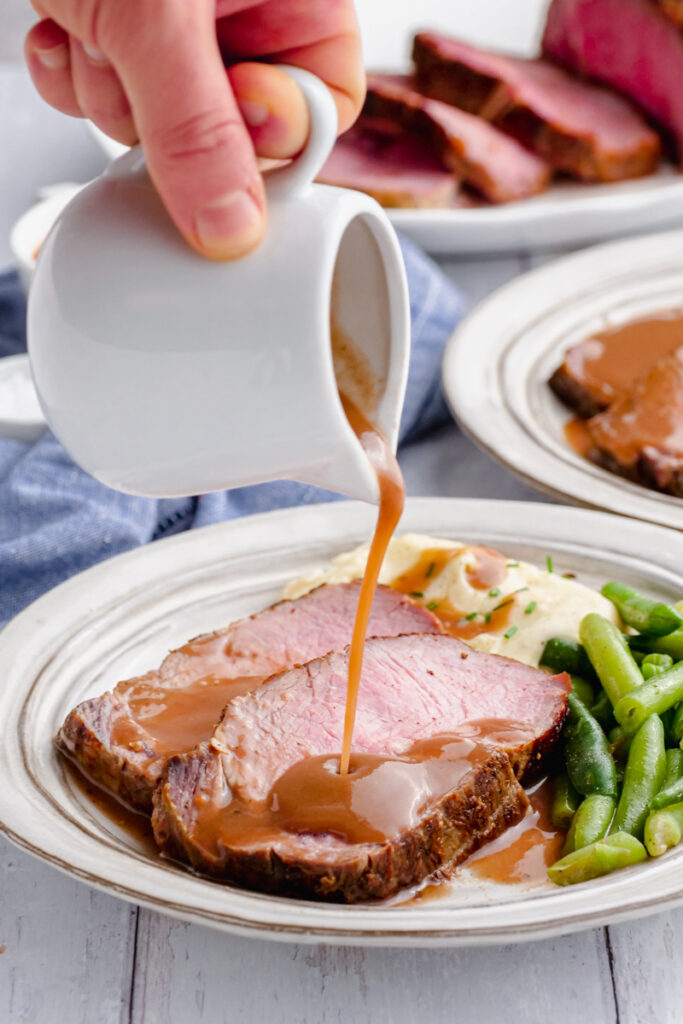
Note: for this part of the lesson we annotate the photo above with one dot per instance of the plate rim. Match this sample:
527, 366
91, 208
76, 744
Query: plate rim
355, 925
587, 218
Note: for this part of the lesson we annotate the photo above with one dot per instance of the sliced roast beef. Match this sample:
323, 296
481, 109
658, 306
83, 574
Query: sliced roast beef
189, 801
631, 44
413, 689
396, 169
604, 367
408, 688
640, 435
581, 129
484, 157
123, 738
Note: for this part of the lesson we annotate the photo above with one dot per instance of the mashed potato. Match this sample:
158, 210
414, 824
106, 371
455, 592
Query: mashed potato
544, 604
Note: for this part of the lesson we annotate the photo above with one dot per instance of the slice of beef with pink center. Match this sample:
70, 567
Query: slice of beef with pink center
123, 738
413, 689
494, 163
579, 128
631, 45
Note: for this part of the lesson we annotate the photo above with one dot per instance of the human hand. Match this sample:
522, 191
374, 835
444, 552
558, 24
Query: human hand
155, 71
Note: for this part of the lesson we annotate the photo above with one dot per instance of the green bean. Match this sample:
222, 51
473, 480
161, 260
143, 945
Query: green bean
563, 655
610, 656
664, 829
652, 698
677, 724
583, 690
672, 794
602, 711
610, 853
674, 767
619, 743
590, 822
653, 618
565, 802
655, 664
643, 777
589, 762
671, 645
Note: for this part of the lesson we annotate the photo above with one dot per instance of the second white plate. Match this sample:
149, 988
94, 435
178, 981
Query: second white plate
568, 214
498, 362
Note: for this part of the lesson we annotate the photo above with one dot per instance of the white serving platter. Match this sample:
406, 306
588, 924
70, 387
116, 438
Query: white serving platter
498, 362
121, 617
568, 214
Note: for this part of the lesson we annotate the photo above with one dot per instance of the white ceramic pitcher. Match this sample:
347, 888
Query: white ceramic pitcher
164, 374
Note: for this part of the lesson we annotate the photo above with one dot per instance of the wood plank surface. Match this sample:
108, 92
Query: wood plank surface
647, 962
68, 949
186, 973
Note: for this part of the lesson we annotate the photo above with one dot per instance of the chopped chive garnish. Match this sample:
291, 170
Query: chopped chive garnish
520, 590
512, 565
487, 618
494, 593
430, 570
530, 608
549, 563
503, 604
432, 605
472, 615
510, 632
416, 593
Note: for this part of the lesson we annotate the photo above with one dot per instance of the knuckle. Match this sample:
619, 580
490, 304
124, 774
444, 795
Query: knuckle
107, 107
207, 133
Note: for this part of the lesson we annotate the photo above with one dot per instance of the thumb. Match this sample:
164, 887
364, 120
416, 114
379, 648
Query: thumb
198, 151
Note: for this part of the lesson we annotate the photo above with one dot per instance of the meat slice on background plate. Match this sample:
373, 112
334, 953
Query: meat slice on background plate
414, 689
579, 128
640, 435
396, 169
634, 45
598, 371
492, 162
122, 739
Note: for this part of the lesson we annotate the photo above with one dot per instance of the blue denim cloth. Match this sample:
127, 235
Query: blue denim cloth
55, 520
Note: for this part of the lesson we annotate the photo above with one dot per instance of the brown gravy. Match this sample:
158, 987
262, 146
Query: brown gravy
524, 852
649, 416
578, 436
609, 362
379, 798
392, 498
178, 718
137, 826
488, 570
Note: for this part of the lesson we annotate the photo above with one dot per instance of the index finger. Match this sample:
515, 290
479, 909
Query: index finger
198, 150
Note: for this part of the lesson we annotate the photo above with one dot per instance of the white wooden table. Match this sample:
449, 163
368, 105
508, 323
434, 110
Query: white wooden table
70, 955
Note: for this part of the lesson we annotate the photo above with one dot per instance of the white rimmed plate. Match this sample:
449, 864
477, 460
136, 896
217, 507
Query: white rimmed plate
567, 214
122, 616
498, 362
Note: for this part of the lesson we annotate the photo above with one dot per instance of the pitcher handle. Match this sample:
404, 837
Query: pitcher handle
297, 176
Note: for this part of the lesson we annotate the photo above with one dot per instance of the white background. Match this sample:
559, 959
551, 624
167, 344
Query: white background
510, 24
